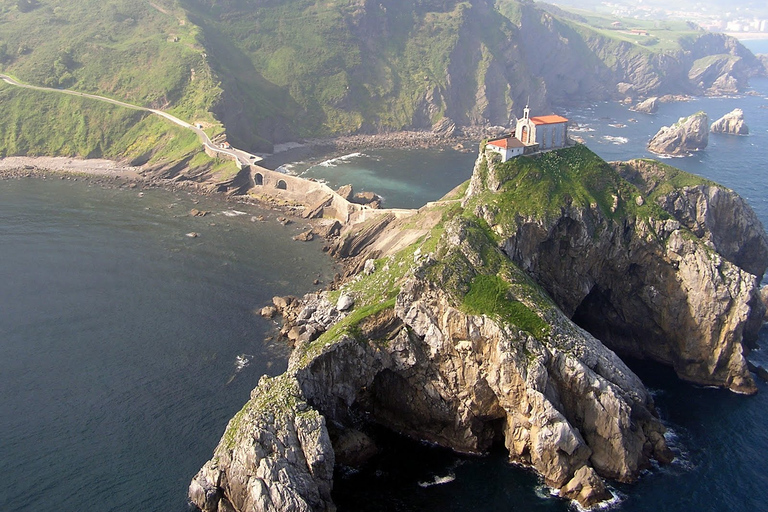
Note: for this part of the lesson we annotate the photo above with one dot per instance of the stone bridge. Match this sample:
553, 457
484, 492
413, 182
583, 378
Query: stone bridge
319, 199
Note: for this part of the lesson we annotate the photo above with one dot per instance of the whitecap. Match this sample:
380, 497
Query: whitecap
242, 360
233, 213
545, 492
439, 480
335, 161
610, 504
615, 140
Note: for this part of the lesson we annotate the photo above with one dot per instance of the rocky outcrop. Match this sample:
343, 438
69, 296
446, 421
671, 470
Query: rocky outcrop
649, 106
688, 134
456, 341
275, 455
731, 123
649, 284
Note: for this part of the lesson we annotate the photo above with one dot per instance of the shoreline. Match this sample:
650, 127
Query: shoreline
110, 174
316, 150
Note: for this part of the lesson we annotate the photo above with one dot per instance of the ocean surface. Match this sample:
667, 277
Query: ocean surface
126, 346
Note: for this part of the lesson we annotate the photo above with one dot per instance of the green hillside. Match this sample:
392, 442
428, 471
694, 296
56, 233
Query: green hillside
268, 71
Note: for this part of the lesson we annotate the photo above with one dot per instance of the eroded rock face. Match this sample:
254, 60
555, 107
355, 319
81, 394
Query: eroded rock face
649, 106
274, 456
681, 290
453, 341
687, 135
731, 123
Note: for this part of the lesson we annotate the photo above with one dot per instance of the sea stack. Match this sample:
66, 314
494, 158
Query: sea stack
731, 123
649, 106
688, 134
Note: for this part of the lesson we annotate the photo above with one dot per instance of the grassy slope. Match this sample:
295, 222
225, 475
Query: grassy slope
282, 69
476, 276
143, 53
342, 64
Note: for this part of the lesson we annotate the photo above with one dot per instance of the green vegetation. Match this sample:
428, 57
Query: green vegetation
48, 123
660, 35
489, 295
275, 395
298, 68
666, 179
542, 185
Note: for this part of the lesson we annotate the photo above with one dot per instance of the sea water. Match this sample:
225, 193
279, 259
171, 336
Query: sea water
126, 345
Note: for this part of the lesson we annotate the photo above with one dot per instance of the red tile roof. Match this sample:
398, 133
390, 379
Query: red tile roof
500, 143
506, 142
553, 119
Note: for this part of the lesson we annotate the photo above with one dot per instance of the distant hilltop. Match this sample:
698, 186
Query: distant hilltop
259, 77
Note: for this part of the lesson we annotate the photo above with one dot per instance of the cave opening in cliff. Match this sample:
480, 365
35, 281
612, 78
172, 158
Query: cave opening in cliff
599, 315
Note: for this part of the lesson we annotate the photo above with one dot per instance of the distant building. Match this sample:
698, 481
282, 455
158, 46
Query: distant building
531, 134
548, 132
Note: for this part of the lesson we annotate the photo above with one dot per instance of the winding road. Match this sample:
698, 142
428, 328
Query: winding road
241, 157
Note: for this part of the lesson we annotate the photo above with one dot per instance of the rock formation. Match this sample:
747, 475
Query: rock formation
649, 106
731, 123
688, 134
458, 330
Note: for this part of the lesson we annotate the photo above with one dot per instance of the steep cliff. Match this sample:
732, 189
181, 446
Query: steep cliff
457, 329
647, 270
688, 134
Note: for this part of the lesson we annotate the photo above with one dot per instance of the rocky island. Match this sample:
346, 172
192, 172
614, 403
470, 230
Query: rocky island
731, 123
498, 316
688, 134
648, 106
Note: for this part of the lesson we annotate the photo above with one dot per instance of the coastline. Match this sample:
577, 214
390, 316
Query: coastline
331, 147
18, 165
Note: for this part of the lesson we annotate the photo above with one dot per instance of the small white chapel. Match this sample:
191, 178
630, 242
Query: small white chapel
532, 134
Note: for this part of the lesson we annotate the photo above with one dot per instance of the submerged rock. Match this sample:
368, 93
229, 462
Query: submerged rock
688, 134
731, 123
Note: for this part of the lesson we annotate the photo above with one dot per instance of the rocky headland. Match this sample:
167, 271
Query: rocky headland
687, 135
731, 123
498, 316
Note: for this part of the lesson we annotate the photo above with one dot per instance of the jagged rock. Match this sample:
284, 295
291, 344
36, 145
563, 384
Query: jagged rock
275, 456
649, 106
369, 267
365, 197
316, 210
459, 345
305, 236
586, 487
688, 134
345, 302
192, 234
268, 311
731, 123
194, 212
282, 303
763, 58
328, 228
636, 281
445, 127
346, 191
